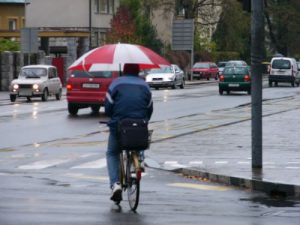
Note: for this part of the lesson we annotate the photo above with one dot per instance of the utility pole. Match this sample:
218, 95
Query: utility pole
257, 52
90, 24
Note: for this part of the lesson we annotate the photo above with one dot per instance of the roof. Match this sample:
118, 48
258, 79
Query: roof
15, 1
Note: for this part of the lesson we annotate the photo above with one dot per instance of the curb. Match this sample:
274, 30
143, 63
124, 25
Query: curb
268, 187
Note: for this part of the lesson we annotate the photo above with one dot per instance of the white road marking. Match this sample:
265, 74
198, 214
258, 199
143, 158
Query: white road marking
174, 164
97, 164
221, 162
293, 167
244, 162
43, 164
195, 162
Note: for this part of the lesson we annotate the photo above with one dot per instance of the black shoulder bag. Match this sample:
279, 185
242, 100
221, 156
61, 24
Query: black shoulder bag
133, 134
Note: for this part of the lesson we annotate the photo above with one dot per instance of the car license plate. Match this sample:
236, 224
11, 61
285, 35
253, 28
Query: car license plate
90, 85
233, 85
25, 92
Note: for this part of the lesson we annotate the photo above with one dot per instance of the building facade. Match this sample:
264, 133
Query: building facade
12, 17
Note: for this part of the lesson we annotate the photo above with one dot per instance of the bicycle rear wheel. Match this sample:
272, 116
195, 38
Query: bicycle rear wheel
133, 182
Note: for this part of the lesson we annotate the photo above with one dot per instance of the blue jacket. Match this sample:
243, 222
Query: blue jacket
128, 97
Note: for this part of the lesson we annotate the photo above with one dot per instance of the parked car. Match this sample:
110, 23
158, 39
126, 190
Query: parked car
88, 89
285, 70
36, 81
171, 76
221, 65
235, 79
205, 70
236, 63
298, 74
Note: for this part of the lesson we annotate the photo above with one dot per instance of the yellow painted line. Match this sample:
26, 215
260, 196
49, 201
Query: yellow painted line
200, 186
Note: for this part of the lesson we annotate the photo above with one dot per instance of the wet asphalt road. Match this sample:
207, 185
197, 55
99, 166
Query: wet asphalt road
52, 171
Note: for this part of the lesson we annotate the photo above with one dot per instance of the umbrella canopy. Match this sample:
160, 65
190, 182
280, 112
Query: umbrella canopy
112, 57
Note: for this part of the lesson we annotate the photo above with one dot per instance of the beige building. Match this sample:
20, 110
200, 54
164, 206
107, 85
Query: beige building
68, 23
12, 18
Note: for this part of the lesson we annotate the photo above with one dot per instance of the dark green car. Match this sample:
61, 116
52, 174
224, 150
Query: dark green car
235, 79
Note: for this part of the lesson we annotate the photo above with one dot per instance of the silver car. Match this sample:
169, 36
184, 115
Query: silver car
36, 81
171, 76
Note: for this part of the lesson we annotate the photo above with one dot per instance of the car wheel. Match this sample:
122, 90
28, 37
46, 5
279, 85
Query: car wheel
293, 84
276, 84
216, 77
28, 99
156, 88
95, 108
220, 91
182, 85
173, 86
58, 95
270, 83
249, 92
298, 84
228, 92
45, 95
13, 98
73, 109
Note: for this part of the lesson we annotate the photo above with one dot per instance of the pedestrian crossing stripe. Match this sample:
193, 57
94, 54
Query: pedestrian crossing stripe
200, 186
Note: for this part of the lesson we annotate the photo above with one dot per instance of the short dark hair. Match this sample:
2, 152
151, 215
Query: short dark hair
131, 68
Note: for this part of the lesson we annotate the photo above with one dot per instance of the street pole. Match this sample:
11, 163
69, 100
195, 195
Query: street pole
90, 24
257, 51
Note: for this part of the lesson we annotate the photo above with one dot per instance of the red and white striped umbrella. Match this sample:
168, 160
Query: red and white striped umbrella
112, 57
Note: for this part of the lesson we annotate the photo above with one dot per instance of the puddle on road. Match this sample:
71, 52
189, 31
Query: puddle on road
272, 201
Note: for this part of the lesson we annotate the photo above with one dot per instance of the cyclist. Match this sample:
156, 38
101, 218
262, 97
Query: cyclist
128, 96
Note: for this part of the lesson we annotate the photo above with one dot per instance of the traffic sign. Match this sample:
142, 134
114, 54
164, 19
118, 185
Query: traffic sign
183, 34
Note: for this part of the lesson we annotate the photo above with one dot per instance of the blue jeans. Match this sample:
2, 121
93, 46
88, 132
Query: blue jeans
113, 158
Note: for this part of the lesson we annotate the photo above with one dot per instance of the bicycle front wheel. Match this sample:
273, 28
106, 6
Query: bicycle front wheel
133, 182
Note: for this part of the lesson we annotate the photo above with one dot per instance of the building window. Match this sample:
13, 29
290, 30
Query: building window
12, 24
96, 6
104, 6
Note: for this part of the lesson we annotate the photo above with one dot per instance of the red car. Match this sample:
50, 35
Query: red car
88, 89
205, 70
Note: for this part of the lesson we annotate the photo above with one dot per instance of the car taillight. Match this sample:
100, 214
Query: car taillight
69, 87
247, 78
221, 77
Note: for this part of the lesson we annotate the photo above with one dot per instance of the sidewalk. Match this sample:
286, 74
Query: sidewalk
220, 151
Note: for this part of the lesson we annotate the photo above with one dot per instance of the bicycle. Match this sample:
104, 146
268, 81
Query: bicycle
131, 174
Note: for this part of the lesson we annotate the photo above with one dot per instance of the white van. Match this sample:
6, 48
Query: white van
285, 70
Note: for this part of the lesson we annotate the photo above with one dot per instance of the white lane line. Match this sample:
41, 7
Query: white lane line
293, 162
97, 164
196, 162
244, 162
221, 162
43, 164
174, 164
293, 167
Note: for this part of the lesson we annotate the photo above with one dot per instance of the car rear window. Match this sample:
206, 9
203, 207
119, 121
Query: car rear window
201, 65
95, 74
235, 70
221, 64
281, 64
